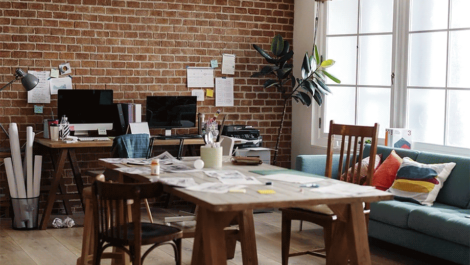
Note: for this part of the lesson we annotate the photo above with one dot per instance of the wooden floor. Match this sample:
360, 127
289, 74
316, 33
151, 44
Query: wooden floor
63, 246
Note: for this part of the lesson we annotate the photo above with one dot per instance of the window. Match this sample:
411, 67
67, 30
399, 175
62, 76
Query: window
402, 63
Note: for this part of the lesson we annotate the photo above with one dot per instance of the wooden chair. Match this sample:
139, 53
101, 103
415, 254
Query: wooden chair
353, 136
114, 229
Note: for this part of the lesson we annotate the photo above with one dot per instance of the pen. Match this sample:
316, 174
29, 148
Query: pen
309, 185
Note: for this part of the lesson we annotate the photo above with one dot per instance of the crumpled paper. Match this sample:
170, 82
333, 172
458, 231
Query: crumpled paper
59, 223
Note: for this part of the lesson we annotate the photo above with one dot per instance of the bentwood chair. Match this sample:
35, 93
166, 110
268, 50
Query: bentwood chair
117, 226
352, 145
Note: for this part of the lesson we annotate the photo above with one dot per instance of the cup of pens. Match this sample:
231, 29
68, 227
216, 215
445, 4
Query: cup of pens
211, 153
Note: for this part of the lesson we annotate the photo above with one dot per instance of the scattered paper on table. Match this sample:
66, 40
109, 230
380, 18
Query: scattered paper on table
232, 177
210, 93
178, 167
224, 92
344, 189
199, 93
180, 182
41, 93
200, 76
135, 170
215, 187
228, 64
292, 178
60, 83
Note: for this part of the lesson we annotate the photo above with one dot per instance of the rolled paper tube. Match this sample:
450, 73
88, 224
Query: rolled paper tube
16, 157
29, 161
37, 175
11, 178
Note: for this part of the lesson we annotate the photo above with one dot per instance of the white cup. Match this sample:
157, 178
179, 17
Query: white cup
54, 133
212, 157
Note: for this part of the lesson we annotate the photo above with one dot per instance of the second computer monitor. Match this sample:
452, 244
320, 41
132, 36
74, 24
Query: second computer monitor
171, 111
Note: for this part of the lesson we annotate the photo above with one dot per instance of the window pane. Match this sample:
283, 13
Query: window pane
342, 17
376, 16
343, 51
374, 106
459, 17
459, 55
427, 59
375, 60
340, 106
428, 14
458, 122
426, 115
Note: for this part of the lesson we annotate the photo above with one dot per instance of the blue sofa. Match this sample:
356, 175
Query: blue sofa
442, 230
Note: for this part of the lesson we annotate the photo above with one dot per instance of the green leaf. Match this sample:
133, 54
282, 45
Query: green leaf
306, 98
308, 86
298, 98
319, 75
317, 57
277, 45
283, 73
265, 71
323, 86
327, 63
286, 48
305, 66
292, 78
334, 79
318, 98
318, 88
313, 63
285, 58
270, 83
264, 54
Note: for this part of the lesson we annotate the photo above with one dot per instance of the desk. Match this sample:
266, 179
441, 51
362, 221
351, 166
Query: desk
216, 211
68, 150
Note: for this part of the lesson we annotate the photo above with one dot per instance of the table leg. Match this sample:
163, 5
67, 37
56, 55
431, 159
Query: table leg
62, 188
52, 192
248, 238
209, 242
350, 236
76, 174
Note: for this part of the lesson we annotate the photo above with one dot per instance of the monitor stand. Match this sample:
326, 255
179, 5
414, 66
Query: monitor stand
168, 132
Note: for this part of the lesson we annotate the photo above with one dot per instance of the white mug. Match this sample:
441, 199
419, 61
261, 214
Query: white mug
54, 133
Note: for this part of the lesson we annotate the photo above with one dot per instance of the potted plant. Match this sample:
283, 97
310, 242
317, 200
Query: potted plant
279, 72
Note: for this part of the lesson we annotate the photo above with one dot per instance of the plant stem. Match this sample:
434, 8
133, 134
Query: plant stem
280, 131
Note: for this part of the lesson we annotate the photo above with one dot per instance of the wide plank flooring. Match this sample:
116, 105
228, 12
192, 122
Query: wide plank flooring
63, 246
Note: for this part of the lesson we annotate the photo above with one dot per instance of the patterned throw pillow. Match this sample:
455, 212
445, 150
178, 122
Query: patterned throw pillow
363, 173
386, 173
420, 182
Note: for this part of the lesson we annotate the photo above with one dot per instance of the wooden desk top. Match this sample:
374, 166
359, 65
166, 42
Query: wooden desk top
287, 194
60, 144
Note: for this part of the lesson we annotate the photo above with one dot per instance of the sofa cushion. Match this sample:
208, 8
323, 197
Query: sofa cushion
385, 175
392, 212
444, 222
456, 190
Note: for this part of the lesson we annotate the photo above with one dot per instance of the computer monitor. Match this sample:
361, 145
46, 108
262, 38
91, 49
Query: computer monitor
169, 112
87, 110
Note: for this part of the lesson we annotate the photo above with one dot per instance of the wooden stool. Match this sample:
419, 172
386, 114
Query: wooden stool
88, 240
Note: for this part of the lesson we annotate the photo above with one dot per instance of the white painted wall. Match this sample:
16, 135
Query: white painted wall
303, 117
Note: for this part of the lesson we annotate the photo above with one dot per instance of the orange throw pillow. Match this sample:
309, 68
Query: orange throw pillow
387, 171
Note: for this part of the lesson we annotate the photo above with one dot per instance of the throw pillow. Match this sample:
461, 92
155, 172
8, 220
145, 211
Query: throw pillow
387, 171
363, 171
420, 182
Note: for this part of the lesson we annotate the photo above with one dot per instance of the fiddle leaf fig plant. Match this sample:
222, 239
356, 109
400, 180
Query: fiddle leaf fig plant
279, 72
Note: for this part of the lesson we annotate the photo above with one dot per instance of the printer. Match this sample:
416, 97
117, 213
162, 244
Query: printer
247, 135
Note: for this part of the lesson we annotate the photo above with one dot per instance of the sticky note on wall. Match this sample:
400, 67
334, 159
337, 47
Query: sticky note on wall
210, 93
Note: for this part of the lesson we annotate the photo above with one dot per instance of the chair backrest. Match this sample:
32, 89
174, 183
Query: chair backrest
227, 145
352, 135
131, 146
111, 214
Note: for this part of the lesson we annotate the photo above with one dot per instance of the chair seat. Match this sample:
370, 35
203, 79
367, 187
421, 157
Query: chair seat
153, 233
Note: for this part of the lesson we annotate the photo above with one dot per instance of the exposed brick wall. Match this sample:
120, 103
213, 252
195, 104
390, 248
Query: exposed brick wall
141, 48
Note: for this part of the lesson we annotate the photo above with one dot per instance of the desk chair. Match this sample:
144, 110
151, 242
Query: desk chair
322, 214
116, 226
227, 145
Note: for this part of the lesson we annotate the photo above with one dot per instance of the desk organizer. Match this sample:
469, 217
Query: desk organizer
212, 156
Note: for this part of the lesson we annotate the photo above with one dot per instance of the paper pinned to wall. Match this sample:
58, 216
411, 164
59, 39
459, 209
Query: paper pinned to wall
40, 94
60, 83
200, 76
228, 64
224, 92
199, 93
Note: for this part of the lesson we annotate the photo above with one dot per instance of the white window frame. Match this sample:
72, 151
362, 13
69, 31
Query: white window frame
399, 88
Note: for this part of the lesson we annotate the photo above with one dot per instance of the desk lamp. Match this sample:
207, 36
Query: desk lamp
29, 81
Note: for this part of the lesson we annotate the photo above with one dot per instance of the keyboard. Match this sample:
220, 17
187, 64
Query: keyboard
91, 139
179, 136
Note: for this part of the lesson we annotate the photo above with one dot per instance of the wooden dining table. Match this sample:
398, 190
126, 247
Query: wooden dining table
217, 211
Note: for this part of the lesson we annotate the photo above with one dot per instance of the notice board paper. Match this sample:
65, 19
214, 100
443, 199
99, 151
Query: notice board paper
200, 76
199, 93
60, 83
224, 92
40, 94
228, 64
